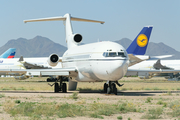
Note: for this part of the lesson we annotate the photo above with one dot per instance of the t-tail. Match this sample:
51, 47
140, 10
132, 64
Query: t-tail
140, 43
72, 39
10, 53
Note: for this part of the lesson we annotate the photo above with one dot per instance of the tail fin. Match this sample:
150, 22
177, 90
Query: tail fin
70, 37
10, 53
140, 43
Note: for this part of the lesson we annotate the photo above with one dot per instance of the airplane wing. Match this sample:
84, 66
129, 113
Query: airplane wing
28, 65
136, 59
41, 72
131, 72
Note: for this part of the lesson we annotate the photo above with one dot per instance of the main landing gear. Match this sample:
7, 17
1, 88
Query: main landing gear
60, 86
110, 87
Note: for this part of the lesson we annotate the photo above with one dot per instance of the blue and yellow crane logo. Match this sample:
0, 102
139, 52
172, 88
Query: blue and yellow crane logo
142, 40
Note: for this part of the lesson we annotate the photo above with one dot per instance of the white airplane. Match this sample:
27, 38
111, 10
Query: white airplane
155, 65
85, 62
102, 61
41, 62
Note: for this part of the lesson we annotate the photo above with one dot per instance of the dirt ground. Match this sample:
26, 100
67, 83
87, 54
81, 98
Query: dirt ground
136, 97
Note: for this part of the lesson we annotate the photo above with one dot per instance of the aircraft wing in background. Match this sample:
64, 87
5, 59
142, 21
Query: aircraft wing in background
146, 74
40, 72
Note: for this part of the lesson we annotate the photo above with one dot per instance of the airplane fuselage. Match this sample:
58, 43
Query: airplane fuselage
101, 61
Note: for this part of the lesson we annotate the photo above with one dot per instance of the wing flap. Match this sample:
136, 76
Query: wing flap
55, 73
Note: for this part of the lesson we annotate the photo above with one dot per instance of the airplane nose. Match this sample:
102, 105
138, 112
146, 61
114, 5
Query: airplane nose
113, 70
118, 70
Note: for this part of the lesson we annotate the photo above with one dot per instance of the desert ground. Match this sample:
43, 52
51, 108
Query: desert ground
33, 98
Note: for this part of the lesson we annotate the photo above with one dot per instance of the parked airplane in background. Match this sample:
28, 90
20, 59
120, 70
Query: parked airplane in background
156, 65
102, 61
10, 53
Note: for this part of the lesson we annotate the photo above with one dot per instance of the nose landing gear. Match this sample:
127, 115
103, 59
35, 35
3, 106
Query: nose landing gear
110, 87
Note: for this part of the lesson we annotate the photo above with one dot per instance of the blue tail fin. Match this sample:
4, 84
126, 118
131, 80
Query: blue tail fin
10, 53
140, 43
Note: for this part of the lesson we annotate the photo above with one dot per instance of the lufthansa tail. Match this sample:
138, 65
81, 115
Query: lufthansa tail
10, 53
140, 43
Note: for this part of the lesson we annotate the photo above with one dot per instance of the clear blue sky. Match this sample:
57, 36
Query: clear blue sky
123, 19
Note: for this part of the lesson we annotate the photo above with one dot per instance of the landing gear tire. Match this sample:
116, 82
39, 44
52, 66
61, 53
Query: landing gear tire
56, 87
105, 87
108, 90
64, 88
114, 89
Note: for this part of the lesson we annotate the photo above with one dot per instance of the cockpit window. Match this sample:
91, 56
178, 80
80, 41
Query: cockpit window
114, 54
121, 54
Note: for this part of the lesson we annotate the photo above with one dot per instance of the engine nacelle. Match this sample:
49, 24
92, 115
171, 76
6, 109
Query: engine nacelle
77, 38
53, 60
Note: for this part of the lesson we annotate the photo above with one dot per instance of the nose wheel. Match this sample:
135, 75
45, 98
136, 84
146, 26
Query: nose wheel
110, 87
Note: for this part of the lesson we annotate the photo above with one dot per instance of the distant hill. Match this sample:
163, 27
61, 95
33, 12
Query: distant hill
36, 47
43, 47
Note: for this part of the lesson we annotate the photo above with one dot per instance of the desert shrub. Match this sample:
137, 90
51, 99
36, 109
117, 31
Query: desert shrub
175, 106
148, 99
103, 109
127, 107
36, 110
2, 95
153, 113
69, 110
95, 115
18, 101
156, 88
119, 117
74, 95
147, 89
160, 102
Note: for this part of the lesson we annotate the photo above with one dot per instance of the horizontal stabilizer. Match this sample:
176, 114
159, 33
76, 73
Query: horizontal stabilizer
160, 57
60, 18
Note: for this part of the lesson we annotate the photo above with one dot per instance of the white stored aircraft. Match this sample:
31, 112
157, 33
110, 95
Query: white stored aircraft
85, 62
101, 61
42, 63
156, 65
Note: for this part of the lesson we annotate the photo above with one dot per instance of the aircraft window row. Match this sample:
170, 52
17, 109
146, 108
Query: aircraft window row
114, 54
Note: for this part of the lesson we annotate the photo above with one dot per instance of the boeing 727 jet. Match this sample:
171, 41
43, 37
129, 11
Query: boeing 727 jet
102, 61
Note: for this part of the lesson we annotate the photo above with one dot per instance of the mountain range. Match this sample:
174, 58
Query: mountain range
42, 47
